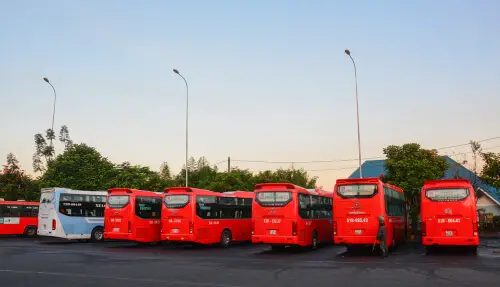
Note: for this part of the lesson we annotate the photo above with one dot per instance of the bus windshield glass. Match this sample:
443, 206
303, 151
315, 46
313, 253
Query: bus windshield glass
46, 197
447, 194
148, 207
357, 190
176, 200
118, 201
273, 198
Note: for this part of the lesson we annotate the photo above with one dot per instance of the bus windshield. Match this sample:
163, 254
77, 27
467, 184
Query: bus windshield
148, 207
118, 201
357, 190
273, 198
176, 200
447, 194
46, 197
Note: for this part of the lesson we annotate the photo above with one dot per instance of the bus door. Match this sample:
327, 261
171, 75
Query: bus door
360, 208
277, 213
147, 221
118, 214
178, 217
450, 213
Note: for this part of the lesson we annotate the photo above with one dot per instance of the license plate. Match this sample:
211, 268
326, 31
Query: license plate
175, 230
448, 233
358, 231
272, 232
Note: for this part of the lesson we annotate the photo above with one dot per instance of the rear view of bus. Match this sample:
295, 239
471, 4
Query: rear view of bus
360, 204
201, 216
132, 215
288, 215
71, 214
18, 218
448, 213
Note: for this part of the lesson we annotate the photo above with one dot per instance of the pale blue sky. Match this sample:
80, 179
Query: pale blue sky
268, 79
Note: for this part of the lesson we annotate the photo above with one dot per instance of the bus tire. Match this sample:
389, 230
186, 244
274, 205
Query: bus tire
225, 238
30, 231
314, 240
97, 234
428, 250
474, 250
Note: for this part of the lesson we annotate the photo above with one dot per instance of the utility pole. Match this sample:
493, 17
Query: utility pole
228, 164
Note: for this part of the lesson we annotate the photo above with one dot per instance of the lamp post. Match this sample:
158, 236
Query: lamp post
54, 109
187, 122
357, 112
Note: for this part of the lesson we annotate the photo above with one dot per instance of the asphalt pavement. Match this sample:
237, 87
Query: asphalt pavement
40, 262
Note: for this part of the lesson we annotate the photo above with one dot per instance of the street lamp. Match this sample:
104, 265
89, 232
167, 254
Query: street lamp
54, 110
357, 111
187, 122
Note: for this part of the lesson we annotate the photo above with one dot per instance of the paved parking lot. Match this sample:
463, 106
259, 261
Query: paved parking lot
35, 262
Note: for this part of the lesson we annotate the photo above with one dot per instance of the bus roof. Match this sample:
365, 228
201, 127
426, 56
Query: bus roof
182, 189
136, 192
278, 185
72, 191
19, 203
367, 180
447, 183
239, 193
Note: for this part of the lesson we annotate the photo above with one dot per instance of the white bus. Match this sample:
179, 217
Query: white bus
71, 214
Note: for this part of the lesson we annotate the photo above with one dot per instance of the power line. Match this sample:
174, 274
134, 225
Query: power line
351, 159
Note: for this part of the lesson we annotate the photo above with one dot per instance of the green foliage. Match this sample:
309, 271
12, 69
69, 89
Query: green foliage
45, 152
135, 176
295, 176
491, 169
15, 184
79, 167
236, 179
409, 166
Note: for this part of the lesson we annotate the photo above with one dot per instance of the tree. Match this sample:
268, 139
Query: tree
15, 184
79, 167
409, 166
135, 176
236, 179
295, 176
45, 152
491, 169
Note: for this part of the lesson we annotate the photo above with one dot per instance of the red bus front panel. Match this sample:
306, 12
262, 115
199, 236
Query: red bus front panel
449, 214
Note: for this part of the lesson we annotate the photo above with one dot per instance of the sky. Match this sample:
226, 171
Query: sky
268, 80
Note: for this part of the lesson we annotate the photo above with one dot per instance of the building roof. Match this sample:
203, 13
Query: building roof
376, 168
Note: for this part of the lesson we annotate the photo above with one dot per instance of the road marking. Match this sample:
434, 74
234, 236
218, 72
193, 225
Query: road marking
167, 282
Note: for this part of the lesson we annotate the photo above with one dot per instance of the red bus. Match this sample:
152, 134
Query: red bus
288, 215
18, 218
359, 203
205, 217
132, 215
448, 213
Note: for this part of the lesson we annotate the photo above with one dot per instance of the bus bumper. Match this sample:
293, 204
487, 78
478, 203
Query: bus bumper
277, 240
117, 236
450, 241
355, 240
177, 237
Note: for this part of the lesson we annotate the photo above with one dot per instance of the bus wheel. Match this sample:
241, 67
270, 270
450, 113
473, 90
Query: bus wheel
97, 234
314, 240
225, 238
30, 231
474, 250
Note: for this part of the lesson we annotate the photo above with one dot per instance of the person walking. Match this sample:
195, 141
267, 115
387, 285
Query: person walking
381, 235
